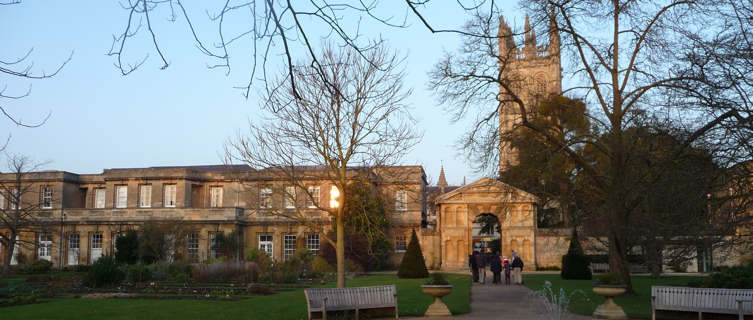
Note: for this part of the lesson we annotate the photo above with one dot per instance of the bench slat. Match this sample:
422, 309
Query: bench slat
715, 300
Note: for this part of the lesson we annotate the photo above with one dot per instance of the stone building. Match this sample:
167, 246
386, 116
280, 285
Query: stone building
89, 211
533, 72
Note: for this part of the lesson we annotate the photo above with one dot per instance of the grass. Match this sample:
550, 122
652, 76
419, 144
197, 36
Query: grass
584, 300
282, 305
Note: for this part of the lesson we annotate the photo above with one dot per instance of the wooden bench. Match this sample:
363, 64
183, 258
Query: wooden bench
357, 298
702, 300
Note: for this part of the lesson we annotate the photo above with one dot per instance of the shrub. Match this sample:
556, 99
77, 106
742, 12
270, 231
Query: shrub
232, 271
413, 264
356, 249
437, 279
260, 257
738, 277
127, 248
610, 278
575, 263
174, 271
40, 266
103, 273
320, 266
138, 273
353, 267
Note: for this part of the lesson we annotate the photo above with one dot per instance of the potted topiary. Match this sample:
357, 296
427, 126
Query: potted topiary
609, 286
437, 287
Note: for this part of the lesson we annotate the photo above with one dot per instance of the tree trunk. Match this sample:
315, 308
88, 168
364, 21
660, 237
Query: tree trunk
8, 255
618, 262
654, 257
340, 250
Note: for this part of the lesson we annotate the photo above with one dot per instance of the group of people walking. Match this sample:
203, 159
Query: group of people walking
478, 263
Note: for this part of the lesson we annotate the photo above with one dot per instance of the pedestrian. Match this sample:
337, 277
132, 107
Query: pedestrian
496, 267
473, 265
507, 267
481, 263
517, 269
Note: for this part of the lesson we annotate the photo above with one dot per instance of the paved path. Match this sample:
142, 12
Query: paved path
505, 302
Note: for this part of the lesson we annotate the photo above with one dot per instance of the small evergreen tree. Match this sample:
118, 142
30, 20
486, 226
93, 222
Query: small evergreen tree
575, 262
127, 248
413, 264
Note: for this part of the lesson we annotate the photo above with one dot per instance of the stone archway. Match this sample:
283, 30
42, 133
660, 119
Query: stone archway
458, 209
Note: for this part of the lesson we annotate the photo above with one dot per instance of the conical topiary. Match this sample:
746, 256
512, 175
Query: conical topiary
413, 264
575, 263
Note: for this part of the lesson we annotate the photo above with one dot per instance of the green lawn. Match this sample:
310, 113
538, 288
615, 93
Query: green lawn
636, 306
283, 305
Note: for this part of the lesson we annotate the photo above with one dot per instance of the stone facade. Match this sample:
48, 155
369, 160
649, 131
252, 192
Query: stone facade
91, 210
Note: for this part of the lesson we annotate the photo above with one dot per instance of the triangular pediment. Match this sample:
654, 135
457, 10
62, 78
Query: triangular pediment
486, 190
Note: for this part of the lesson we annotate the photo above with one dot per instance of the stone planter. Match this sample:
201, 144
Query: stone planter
609, 309
438, 308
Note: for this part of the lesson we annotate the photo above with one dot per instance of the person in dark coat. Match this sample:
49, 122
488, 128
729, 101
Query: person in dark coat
517, 269
481, 263
496, 267
473, 265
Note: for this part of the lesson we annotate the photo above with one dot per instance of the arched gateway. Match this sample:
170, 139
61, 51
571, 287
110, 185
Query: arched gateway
456, 211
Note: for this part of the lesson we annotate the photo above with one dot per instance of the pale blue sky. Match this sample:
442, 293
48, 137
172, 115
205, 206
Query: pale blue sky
181, 115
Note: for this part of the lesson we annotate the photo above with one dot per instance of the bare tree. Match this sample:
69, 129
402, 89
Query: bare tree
644, 58
333, 129
22, 68
20, 204
274, 29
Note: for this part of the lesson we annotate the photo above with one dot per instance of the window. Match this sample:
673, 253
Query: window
2, 200
265, 198
99, 198
314, 200
214, 247
73, 248
192, 246
288, 200
288, 246
46, 197
265, 243
96, 247
312, 243
45, 247
400, 244
145, 195
401, 200
215, 197
121, 196
169, 196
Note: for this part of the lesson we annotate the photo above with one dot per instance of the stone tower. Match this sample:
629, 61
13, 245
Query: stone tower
533, 72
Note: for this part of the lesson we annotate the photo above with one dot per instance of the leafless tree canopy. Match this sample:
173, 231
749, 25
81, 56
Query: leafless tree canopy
334, 128
14, 70
276, 31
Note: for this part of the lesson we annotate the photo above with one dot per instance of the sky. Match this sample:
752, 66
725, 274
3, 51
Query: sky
181, 115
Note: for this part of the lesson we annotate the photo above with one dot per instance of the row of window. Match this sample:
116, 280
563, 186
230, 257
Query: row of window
289, 244
215, 197
45, 200
145, 196
266, 244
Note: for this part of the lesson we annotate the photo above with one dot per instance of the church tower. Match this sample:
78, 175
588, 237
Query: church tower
533, 73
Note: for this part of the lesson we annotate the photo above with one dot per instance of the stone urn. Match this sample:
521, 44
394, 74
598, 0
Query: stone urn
609, 309
438, 308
